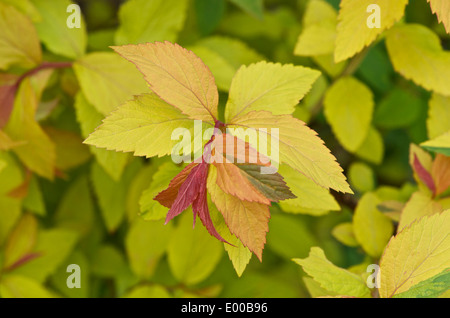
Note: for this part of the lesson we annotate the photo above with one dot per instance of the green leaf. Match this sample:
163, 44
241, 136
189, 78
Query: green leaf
224, 56
107, 80
266, 86
108, 262
53, 247
149, 21
311, 198
438, 121
420, 250
209, 13
372, 228
76, 208
146, 243
440, 144
319, 33
372, 148
10, 210
12, 177
59, 278
70, 152
15, 49
17, 286
252, 7
353, 32
150, 208
54, 32
429, 288
192, 253
112, 194
361, 177
89, 118
398, 109
153, 291
416, 53
290, 236
347, 115
332, 278
140, 183
34, 200
343, 232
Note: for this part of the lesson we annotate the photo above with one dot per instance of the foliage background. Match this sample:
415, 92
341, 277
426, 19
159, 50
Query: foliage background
63, 203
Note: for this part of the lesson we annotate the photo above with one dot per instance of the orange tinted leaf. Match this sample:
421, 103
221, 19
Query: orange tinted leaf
176, 75
247, 220
441, 173
232, 181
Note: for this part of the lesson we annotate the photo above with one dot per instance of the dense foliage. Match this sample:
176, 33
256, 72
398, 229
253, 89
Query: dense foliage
87, 178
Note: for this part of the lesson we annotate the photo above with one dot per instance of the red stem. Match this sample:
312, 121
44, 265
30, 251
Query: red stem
43, 66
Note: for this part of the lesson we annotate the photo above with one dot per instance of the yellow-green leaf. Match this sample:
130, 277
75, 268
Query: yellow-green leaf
438, 121
21, 241
107, 80
268, 86
442, 9
298, 145
344, 233
38, 153
176, 75
239, 254
17, 286
337, 280
353, 32
361, 177
192, 253
15, 48
419, 205
143, 126
146, 243
149, 21
347, 115
311, 198
52, 248
319, 33
372, 148
416, 53
371, 227
417, 253
89, 119
54, 31
440, 144
150, 208
224, 56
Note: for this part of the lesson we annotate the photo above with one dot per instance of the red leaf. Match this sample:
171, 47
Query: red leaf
189, 187
200, 206
423, 174
168, 196
7, 93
